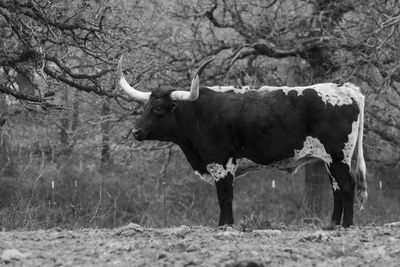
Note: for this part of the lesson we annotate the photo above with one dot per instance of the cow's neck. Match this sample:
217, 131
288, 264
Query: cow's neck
201, 125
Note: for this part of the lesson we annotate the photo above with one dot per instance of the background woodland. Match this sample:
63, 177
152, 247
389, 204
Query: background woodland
64, 121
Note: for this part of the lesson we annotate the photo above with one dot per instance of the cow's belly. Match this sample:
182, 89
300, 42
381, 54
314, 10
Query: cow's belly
287, 165
312, 150
244, 166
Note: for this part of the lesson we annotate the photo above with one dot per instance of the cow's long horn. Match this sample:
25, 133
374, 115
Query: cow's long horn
193, 94
136, 94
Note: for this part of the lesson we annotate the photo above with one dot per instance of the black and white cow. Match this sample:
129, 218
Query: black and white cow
225, 131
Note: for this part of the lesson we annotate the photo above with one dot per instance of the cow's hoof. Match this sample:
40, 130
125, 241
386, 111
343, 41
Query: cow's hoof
331, 227
349, 227
225, 227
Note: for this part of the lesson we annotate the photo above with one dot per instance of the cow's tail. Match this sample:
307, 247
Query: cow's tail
361, 170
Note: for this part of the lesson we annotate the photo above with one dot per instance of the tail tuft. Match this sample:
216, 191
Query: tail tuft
361, 170
361, 188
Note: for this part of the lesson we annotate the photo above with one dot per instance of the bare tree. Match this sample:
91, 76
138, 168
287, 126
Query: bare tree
74, 43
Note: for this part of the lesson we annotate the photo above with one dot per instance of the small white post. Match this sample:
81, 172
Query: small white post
52, 193
164, 184
273, 185
74, 193
380, 184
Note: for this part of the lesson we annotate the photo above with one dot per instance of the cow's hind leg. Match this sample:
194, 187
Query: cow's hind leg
225, 198
337, 204
343, 193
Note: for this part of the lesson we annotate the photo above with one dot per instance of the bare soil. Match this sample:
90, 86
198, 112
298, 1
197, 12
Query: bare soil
133, 245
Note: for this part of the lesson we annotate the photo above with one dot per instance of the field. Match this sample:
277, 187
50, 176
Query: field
133, 245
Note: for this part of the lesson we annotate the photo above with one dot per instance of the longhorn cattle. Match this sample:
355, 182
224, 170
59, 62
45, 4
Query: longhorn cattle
226, 131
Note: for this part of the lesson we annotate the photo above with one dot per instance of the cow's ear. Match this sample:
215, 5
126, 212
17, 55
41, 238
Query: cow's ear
172, 106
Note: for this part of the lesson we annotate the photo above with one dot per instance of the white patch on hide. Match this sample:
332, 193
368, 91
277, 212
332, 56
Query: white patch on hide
218, 171
329, 92
349, 147
205, 177
335, 185
238, 90
231, 167
312, 147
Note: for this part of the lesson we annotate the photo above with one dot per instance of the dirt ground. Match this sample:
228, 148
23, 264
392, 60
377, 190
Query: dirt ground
133, 245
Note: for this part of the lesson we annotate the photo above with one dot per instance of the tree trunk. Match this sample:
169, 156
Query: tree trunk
105, 135
66, 149
316, 188
7, 167
75, 112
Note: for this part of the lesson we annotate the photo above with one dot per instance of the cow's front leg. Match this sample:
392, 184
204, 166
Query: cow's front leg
225, 198
344, 193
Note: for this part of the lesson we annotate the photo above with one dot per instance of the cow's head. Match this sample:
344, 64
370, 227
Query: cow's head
158, 120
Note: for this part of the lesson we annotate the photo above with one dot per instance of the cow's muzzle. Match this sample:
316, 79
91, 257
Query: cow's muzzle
138, 134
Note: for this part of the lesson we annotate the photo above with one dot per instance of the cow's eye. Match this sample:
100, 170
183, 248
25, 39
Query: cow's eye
159, 110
